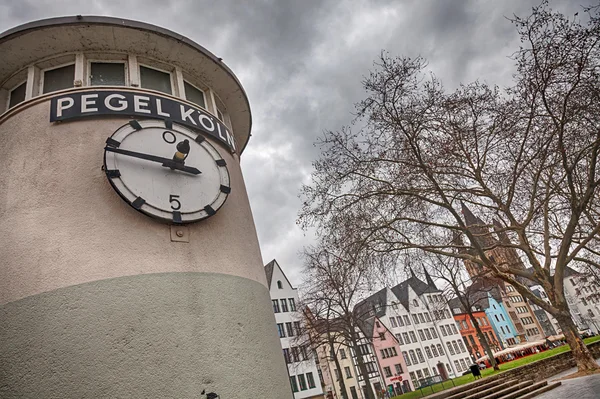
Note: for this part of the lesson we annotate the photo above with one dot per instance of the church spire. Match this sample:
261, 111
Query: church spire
429, 280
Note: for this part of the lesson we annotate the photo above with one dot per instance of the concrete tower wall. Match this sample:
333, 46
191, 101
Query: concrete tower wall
98, 301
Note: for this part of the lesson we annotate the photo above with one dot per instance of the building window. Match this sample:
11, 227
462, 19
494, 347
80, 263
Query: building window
433, 333
406, 338
413, 357
399, 338
413, 336
290, 330
342, 354
284, 307
441, 350
398, 368
297, 328
286, 355
393, 322
428, 352
17, 95
415, 319
220, 115
502, 329
420, 355
293, 384
496, 316
415, 302
450, 348
295, 357
421, 318
387, 371
427, 317
427, 333
154, 79
590, 313
292, 304
107, 74
279, 285
454, 330
406, 358
302, 382
348, 372
58, 78
280, 330
443, 330
434, 351
194, 94
311, 380
400, 323
406, 320
275, 305
462, 347
421, 335
455, 346
457, 365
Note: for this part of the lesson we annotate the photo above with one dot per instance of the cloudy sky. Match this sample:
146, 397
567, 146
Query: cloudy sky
302, 62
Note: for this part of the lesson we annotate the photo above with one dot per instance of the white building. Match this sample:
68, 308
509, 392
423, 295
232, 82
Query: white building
583, 296
301, 367
422, 322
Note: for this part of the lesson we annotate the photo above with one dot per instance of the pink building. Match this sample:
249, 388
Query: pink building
389, 357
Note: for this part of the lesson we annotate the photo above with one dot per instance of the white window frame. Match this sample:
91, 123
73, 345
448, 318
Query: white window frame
12, 89
107, 61
43, 76
171, 76
184, 96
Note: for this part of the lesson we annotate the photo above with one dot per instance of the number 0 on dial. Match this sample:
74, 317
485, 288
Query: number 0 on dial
166, 171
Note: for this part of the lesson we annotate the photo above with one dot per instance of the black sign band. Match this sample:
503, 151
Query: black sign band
126, 103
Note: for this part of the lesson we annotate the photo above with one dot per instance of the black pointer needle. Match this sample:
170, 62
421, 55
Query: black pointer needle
166, 162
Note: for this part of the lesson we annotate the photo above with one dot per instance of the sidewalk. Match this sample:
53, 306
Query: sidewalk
578, 388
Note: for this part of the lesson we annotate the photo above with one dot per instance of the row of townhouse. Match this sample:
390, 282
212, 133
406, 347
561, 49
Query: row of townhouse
420, 320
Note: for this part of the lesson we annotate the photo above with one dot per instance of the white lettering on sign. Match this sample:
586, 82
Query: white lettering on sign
122, 104
230, 139
202, 118
138, 104
221, 134
159, 110
63, 104
186, 115
86, 101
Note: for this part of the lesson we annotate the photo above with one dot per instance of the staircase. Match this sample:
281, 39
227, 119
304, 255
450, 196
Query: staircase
497, 388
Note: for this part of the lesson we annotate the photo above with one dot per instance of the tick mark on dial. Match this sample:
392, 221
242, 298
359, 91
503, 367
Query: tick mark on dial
135, 124
139, 201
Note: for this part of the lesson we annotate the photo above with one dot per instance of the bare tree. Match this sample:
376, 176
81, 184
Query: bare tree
524, 158
336, 281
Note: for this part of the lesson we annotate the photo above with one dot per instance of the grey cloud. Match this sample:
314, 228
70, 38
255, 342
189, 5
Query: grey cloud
302, 62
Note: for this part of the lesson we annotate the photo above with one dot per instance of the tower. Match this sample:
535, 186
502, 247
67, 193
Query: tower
130, 261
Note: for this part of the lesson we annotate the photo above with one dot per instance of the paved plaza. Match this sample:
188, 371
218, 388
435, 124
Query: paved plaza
576, 388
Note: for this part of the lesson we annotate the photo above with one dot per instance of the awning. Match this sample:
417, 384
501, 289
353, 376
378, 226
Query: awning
513, 349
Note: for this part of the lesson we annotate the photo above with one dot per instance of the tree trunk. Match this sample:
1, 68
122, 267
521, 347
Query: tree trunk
483, 340
582, 355
362, 368
332, 353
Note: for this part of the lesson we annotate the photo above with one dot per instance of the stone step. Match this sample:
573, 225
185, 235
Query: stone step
540, 390
489, 389
504, 393
478, 386
523, 391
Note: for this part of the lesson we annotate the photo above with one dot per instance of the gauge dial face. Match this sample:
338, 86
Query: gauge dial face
166, 171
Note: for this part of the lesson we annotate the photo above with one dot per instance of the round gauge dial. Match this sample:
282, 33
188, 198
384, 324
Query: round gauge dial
166, 171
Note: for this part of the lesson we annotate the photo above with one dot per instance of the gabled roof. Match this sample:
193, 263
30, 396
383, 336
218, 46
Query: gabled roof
375, 303
419, 287
269, 267
269, 271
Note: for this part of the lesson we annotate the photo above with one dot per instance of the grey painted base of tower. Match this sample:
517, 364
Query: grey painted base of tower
166, 335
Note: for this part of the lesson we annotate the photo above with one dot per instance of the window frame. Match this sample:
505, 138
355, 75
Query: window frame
171, 74
13, 89
43, 77
91, 61
203, 91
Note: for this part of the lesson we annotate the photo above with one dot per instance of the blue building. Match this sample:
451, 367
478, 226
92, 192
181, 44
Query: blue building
498, 316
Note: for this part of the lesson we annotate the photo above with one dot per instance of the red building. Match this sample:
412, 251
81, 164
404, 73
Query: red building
469, 334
